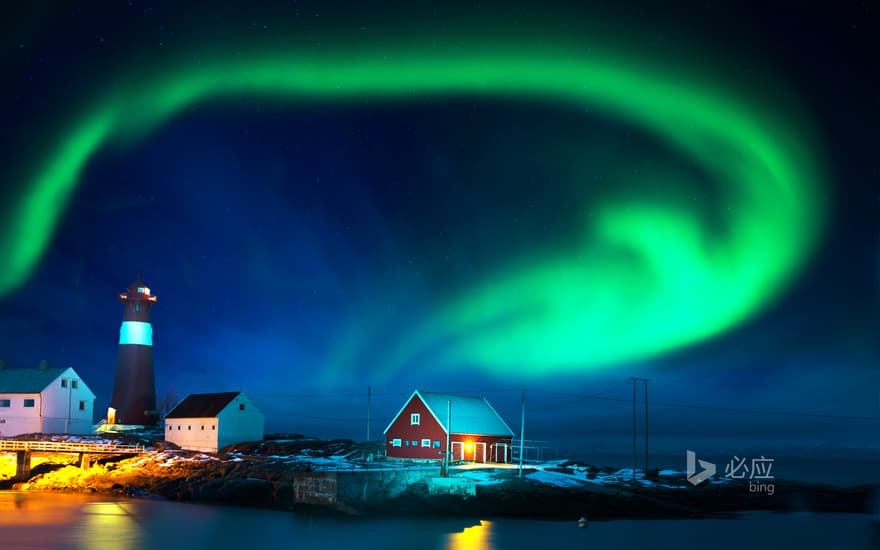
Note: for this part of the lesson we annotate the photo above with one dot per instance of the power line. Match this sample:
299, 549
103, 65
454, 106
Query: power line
330, 418
766, 411
579, 399
360, 394
715, 408
324, 395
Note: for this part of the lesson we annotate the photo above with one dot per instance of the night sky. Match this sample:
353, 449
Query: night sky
480, 198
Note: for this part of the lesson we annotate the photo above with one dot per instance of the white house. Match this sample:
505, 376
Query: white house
44, 400
208, 422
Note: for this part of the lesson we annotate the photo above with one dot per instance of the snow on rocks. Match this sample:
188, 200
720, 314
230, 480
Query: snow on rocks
482, 477
555, 479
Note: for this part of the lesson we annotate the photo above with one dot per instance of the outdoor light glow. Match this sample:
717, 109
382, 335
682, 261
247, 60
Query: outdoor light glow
136, 332
476, 537
647, 277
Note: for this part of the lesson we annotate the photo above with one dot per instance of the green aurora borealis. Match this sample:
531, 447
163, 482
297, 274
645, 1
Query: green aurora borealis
648, 276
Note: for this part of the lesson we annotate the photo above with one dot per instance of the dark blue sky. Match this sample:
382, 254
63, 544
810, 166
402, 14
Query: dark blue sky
280, 237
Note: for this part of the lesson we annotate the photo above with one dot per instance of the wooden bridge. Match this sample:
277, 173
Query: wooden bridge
85, 450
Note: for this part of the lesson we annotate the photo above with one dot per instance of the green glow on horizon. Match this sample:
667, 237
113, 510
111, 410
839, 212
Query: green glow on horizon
647, 277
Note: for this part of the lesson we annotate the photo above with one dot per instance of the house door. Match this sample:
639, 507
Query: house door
457, 450
480, 451
501, 452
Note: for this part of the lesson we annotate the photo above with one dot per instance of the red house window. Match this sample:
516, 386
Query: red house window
415, 419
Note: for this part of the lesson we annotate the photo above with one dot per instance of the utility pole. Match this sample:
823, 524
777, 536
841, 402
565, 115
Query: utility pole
69, 396
369, 402
635, 383
522, 431
448, 431
646, 425
634, 430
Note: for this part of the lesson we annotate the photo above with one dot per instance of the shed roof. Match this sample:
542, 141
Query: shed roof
27, 380
470, 415
202, 405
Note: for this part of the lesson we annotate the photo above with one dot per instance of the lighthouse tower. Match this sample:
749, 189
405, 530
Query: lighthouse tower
134, 390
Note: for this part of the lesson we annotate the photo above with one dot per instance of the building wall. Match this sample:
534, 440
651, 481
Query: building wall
16, 418
473, 452
428, 428
61, 405
233, 424
240, 421
195, 434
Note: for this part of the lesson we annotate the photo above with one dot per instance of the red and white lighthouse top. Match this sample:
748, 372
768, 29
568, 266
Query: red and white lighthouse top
137, 299
138, 291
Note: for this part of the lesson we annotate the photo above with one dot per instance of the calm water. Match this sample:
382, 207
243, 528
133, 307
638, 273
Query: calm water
844, 472
47, 521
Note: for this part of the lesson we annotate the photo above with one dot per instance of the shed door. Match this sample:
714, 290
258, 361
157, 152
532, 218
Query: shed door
501, 452
480, 451
457, 450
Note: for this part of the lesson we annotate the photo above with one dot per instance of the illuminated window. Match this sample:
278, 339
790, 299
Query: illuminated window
414, 419
415, 442
74, 384
82, 405
241, 406
426, 443
395, 443
64, 382
4, 403
28, 402
140, 290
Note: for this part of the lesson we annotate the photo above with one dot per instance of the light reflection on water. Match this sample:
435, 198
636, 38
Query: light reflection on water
477, 537
20, 509
48, 521
107, 525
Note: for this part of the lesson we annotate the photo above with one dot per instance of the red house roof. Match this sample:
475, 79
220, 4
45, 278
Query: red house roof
470, 415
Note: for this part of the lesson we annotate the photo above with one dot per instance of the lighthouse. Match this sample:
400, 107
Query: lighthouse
134, 390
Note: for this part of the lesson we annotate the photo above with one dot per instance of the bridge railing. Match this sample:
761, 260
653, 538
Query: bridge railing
69, 447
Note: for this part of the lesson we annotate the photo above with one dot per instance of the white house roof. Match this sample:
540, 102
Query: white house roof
31, 380
470, 415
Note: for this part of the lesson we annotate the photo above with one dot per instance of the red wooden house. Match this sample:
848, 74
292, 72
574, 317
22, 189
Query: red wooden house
477, 433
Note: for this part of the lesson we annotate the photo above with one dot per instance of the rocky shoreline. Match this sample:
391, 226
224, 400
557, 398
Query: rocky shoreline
265, 474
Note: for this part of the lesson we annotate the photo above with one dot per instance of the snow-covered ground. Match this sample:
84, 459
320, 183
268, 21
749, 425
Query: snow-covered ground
482, 477
482, 474
317, 455
548, 473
